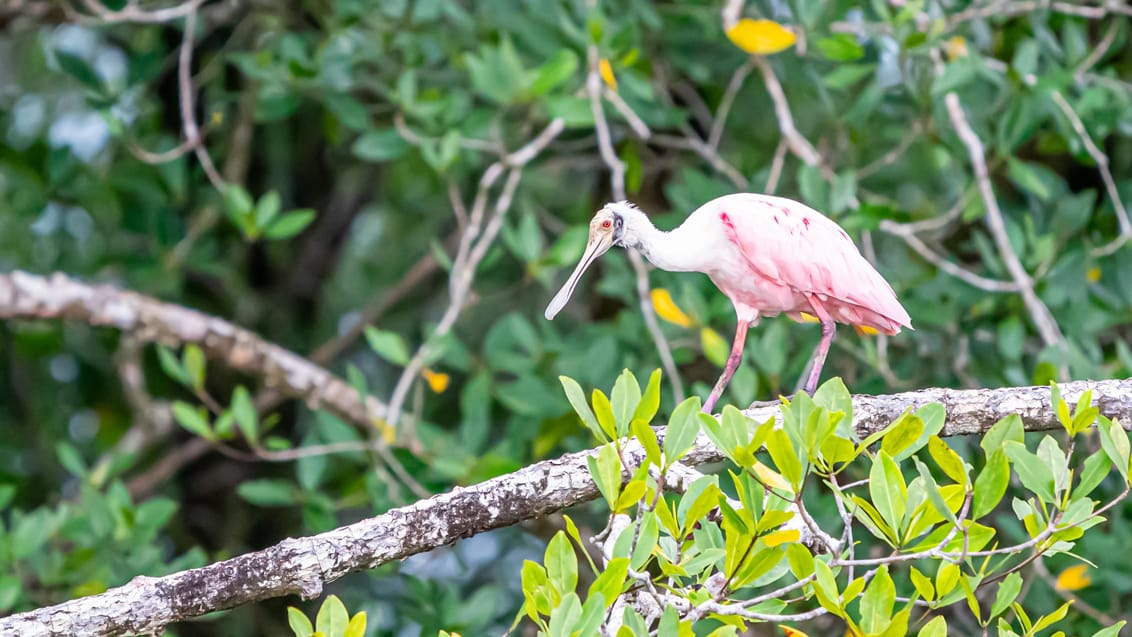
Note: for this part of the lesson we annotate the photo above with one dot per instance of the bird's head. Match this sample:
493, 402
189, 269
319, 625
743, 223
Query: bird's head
612, 225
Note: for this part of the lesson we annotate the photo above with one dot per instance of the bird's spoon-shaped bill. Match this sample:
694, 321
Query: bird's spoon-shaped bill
599, 243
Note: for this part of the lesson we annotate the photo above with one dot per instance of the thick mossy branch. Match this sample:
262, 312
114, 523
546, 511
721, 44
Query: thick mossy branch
302, 566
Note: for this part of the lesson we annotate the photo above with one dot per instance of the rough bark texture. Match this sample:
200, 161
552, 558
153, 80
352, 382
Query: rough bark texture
302, 566
29, 296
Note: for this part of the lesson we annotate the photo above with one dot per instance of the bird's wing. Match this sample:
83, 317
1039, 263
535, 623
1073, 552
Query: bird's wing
792, 243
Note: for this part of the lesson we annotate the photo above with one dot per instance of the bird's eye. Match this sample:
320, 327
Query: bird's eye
606, 224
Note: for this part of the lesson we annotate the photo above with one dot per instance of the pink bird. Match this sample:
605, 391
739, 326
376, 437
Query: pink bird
769, 255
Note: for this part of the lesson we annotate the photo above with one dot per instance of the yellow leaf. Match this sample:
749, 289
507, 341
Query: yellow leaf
1073, 578
809, 318
771, 478
357, 626
956, 47
388, 434
667, 309
793, 632
1093, 275
715, 348
606, 70
437, 381
782, 537
761, 37
865, 330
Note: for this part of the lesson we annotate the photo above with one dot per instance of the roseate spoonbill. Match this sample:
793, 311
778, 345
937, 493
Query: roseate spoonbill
769, 255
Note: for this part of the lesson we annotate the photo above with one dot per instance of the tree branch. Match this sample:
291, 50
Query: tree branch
303, 566
30, 296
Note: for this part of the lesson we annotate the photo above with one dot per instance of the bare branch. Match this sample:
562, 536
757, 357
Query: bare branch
929, 255
1047, 326
30, 296
799, 145
617, 185
472, 249
303, 566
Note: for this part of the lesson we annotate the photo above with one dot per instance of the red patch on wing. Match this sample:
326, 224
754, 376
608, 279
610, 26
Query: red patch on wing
806, 222
725, 219
784, 210
776, 218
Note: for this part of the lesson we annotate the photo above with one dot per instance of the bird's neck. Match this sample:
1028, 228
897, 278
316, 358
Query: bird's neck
668, 250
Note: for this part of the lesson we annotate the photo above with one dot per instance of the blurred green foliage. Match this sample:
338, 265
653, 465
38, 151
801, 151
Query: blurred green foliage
373, 115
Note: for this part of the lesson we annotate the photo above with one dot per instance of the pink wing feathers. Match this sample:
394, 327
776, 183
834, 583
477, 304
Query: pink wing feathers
795, 245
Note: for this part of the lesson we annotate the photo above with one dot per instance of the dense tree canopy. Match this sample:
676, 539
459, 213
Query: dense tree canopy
394, 189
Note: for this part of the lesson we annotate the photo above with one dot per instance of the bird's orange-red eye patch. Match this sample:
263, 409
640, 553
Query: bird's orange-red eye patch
607, 223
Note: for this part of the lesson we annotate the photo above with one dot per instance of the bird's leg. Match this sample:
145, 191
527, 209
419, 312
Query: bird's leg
729, 369
828, 329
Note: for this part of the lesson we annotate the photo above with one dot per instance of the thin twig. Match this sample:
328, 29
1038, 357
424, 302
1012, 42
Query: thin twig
1047, 326
799, 145
719, 122
188, 99
617, 183
914, 242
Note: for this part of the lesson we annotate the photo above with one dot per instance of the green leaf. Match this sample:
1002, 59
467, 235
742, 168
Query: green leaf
782, 452
78, 68
1024, 175
841, 47
173, 367
267, 208
1111, 631
332, 618
561, 564
192, 360
647, 437
877, 602
624, 399
949, 461
239, 205
604, 411
1052, 618
299, 623
575, 112
937, 627
846, 75
577, 399
245, 413
902, 436
888, 491
267, 492
1009, 428
289, 224
1031, 470
1007, 592
631, 495
646, 541
946, 578
70, 458
923, 584
683, 427
1094, 472
380, 145
388, 345
825, 587
610, 582
357, 626
650, 401
195, 420
559, 68
990, 485
605, 470
1114, 441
